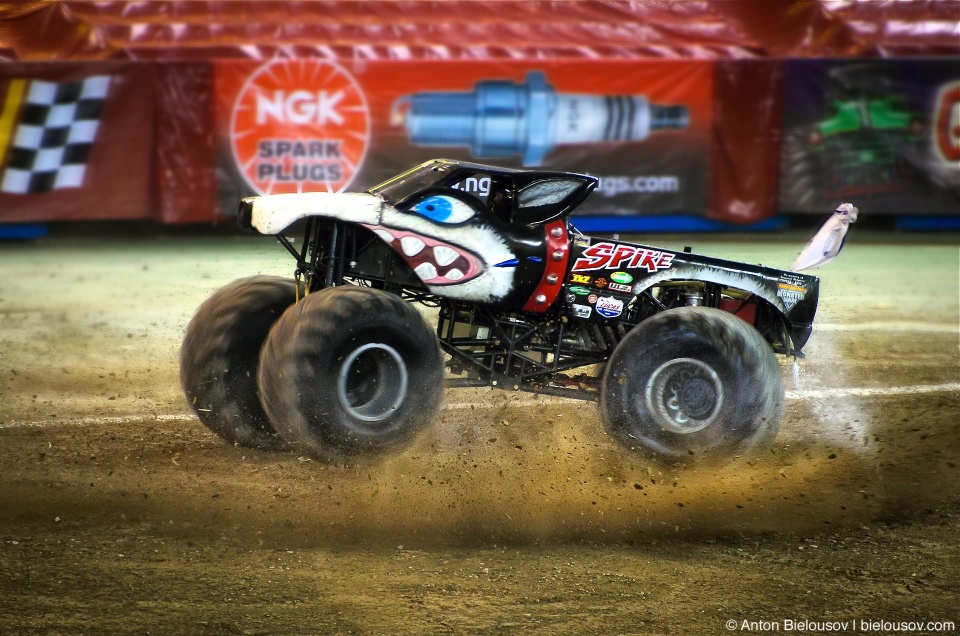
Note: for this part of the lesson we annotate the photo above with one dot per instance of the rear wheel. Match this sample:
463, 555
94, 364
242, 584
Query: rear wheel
219, 355
350, 370
693, 382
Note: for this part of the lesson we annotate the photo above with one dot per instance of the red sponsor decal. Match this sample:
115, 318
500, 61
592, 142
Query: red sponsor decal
618, 256
947, 123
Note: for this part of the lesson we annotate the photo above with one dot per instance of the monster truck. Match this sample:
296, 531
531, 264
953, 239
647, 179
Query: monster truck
867, 144
341, 360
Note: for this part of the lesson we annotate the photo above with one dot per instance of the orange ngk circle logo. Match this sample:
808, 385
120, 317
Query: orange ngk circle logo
299, 126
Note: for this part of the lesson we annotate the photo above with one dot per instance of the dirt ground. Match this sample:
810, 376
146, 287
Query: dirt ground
121, 514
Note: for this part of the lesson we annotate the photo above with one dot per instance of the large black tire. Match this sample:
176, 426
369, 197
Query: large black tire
350, 371
693, 383
219, 355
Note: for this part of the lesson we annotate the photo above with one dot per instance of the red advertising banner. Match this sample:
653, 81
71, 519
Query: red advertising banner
746, 140
174, 110
642, 127
76, 141
185, 143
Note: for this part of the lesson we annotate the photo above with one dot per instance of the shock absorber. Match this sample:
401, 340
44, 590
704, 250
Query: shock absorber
500, 118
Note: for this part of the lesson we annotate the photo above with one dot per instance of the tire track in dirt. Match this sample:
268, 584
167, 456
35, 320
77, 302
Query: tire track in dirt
511, 472
807, 394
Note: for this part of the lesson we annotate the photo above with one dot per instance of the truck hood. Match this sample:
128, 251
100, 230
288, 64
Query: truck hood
271, 214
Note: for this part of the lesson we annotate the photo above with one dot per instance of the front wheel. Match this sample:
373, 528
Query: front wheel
218, 358
350, 370
693, 382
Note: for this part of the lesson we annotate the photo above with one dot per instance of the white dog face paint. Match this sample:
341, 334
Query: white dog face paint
450, 249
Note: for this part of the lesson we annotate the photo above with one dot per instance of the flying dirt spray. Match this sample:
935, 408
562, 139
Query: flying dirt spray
500, 118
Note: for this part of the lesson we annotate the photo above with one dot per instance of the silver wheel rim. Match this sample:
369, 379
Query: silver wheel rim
372, 382
684, 395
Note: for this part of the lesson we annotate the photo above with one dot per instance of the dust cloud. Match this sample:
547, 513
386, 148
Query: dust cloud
521, 473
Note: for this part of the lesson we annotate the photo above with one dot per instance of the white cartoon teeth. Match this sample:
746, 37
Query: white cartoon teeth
444, 255
426, 271
412, 246
460, 271
385, 236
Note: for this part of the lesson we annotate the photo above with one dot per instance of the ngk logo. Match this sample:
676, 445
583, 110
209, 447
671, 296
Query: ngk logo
300, 107
299, 126
946, 119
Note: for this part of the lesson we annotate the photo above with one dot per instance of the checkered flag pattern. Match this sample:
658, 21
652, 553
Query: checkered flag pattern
53, 139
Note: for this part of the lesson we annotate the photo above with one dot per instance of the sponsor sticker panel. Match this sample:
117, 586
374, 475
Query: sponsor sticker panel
609, 307
791, 289
582, 311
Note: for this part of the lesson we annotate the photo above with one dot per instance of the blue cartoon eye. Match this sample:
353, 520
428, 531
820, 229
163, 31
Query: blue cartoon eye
442, 209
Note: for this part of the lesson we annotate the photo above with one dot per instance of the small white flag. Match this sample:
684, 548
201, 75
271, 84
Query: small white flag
826, 243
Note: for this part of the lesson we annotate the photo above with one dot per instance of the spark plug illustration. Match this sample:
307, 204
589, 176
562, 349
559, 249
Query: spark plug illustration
500, 118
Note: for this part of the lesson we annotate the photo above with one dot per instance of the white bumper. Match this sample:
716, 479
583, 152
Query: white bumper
273, 213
